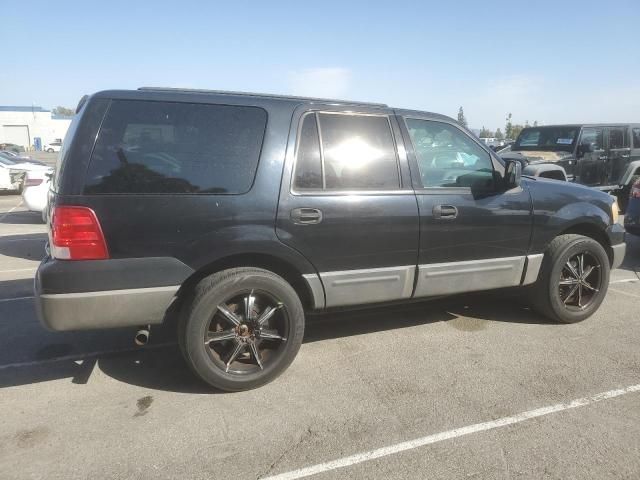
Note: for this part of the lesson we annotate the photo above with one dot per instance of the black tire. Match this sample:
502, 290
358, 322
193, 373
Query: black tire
202, 311
50, 150
547, 292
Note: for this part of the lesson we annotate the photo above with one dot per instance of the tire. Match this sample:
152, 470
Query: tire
50, 150
549, 297
203, 319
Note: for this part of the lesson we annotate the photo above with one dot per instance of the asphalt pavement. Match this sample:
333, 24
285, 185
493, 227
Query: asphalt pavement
474, 386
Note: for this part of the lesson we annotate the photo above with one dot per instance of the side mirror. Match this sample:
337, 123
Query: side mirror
585, 148
512, 174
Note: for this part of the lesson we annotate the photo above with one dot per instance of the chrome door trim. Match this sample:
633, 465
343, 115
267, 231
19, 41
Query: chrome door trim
534, 262
370, 285
468, 276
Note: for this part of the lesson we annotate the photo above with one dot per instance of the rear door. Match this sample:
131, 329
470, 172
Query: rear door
618, 154
347, 205
592, 157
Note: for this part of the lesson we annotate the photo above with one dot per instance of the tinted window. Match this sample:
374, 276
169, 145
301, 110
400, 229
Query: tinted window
636, 137
447, 157
358, 153
593, 137
618, 138
547, 138
161, 147
308, 162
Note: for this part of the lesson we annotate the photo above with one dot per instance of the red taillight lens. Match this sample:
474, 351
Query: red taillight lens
76, 234
33, 182
635, 190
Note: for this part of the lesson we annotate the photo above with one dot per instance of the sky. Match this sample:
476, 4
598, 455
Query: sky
550, 61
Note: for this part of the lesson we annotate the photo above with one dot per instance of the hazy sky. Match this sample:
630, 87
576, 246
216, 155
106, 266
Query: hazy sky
551, 61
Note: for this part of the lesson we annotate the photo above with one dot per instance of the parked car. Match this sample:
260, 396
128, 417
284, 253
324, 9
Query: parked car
604, 156
52, 147
632, 216
10, 179
12, 147
35, 192
21, 158
192, 202
20, 163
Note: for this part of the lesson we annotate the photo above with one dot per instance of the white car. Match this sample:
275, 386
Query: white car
10, 179
35, 193
53, 147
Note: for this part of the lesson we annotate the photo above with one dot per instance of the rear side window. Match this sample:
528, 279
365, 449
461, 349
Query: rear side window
346, 152
618, 138
163, 147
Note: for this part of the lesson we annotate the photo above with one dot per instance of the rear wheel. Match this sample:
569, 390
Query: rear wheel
242, 329
574, 279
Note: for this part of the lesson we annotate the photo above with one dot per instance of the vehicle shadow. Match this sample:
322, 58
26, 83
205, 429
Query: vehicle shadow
22, 218
29, 246
631, 260
160, 366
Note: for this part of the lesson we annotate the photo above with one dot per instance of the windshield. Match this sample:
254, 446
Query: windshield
547, 138
5, 160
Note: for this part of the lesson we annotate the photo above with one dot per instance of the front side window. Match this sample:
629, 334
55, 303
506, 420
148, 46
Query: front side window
592, 137
636, 138
163, 147
618, 138
346, 152
447, 157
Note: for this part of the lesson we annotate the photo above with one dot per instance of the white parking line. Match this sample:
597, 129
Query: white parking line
14, 299
7, 213
87, 356
624, 280
458, 432
32, 269
624, 293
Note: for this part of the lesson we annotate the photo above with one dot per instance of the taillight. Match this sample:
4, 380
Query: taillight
76, 234
32, 182
635, 190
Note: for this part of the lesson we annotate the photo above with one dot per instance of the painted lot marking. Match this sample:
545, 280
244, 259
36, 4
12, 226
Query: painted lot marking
624, 280
3, 300
458, 432
11, 210
624, 293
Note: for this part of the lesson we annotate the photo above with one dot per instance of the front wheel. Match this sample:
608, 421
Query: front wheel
573, 280
243, 328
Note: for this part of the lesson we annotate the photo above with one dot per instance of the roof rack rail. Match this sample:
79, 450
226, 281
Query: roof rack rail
251, 94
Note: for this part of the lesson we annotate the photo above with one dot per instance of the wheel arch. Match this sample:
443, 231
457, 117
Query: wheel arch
592, 231
266, 261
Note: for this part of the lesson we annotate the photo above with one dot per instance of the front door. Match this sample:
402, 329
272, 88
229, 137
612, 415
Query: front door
473, 234
618, 153
591, 155
347, 205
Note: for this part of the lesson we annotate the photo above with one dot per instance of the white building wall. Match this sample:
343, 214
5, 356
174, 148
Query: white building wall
40, 124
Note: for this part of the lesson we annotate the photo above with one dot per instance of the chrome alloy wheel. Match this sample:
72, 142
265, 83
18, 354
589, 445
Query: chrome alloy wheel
580, 281
247, 333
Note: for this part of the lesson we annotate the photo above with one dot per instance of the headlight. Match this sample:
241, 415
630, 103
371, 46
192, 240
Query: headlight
615, 211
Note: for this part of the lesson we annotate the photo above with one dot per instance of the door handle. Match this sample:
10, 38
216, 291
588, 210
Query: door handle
446, 212
306, 216
603, 157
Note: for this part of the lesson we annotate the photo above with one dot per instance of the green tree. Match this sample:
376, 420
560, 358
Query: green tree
63, 111
461, 118
515, 131
499, 134
486, 133
508, 128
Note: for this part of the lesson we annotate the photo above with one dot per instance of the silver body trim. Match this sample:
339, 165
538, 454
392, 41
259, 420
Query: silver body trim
474, 275
317, 290
371, 285
618, 254
534, 262
105, 309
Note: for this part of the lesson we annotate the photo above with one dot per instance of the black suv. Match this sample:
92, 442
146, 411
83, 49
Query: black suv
244, 211
604, 156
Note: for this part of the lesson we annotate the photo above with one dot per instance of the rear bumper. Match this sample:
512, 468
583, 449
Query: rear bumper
86, 295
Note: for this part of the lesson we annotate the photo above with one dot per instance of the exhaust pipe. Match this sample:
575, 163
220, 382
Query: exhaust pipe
142, 335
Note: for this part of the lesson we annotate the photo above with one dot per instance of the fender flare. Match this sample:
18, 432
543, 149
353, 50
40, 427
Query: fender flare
632, 169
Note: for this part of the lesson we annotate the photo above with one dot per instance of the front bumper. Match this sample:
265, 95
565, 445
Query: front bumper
83, 295
616, 234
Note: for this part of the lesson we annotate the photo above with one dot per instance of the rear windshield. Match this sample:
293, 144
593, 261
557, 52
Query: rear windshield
547, 138
166, 147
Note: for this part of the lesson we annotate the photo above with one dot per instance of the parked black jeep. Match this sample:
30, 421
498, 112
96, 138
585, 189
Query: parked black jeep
606, 157
244, 211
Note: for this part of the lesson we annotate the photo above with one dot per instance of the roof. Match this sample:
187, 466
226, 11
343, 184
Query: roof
559, 125
31, 108
260, 95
